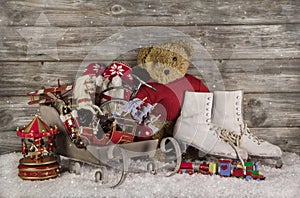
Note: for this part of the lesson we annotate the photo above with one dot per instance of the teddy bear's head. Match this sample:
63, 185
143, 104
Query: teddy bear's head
166, 62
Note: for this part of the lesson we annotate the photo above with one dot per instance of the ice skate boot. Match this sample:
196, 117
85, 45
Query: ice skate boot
227, 113
194, 128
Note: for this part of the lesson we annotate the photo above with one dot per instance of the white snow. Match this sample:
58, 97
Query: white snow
284, 182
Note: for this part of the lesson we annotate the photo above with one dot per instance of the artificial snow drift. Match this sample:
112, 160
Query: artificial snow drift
284, 182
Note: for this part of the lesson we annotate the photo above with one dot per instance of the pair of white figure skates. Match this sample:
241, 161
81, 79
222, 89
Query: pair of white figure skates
213, 123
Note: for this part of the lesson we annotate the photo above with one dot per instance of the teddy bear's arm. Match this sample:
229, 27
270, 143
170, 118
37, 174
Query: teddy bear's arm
197, 84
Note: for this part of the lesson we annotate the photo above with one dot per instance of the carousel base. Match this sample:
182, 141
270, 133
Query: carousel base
31, 169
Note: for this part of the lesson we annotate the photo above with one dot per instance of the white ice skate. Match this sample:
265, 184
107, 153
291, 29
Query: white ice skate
227, 113
194, 128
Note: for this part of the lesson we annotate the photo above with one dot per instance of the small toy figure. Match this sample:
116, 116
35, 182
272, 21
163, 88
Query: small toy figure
24, 148
38, 149
39, 162
51, 145
71, 125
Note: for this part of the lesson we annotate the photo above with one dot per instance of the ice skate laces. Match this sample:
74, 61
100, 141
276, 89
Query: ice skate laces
246, 131
226, 135
232, 138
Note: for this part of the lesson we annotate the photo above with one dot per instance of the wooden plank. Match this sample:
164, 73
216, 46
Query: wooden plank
152, 12
286, 138
279, 75
9, 142
221, 42
253, 75
15, 112
261, 75
260, 110
19, 78
272, 110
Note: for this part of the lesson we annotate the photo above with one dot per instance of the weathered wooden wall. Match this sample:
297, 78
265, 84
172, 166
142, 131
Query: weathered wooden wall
254, 43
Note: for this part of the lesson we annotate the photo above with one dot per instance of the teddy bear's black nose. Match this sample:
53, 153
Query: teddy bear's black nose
166, 71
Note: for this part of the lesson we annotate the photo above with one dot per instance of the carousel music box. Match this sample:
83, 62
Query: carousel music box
38, 162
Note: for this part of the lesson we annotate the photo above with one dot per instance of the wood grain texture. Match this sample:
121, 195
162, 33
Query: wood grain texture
260, 110
279, 75
15, 112
286, 138
272, 110
10, 142
139, 13
263, 76
19, 78
222, 42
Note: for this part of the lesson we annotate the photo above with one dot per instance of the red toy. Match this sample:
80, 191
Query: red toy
186, 167
204, 168
43, 96
238, 171
71, 125
37, 148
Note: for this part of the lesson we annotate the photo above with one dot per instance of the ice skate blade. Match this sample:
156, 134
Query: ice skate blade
202, 154
184, 147
211, 157
275, 162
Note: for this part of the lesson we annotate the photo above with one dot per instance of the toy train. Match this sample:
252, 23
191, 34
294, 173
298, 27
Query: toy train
224, 168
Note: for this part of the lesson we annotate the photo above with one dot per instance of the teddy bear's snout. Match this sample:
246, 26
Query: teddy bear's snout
166, 72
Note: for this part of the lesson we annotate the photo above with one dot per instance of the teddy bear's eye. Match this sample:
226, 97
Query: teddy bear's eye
174, 58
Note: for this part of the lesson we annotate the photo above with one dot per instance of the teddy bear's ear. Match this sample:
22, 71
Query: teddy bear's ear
143, 53
187, 47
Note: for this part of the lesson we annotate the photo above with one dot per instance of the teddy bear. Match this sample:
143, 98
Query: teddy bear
167, 65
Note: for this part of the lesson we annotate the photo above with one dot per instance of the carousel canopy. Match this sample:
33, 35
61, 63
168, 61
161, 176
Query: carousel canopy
37, 128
